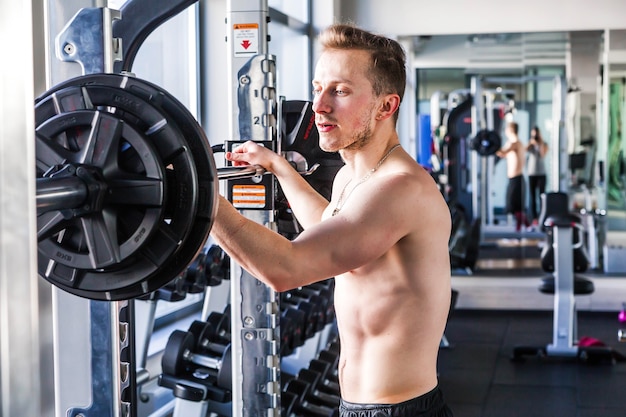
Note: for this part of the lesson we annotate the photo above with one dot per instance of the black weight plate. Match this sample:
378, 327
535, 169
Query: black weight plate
69, 100
114, 231
190, 184
225, 373
206, 172
196, 329
486, 142
173, 361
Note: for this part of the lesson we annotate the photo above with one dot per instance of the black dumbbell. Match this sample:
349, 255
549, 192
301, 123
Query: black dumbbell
217, 266
308, 323
327, 291
314, 313
298, 318
303, 406
319, 297
194, 278
179, 359
288, 401
297, 388
212, 335
288, 331
328, 373
328, 384
319, 394
307, 408
328, 284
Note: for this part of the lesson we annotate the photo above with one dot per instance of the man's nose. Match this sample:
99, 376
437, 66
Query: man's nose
320, 103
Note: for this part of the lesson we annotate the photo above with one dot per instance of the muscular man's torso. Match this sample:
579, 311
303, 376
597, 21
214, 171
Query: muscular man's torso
391, 314
515, 160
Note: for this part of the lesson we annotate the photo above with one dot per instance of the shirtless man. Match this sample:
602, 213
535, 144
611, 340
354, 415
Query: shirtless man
514, 152
383, 236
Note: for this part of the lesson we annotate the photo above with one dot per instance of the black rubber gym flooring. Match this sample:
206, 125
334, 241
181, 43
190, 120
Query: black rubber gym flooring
479, 379
513, 258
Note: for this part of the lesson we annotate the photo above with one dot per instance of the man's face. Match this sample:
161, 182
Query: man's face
344, 102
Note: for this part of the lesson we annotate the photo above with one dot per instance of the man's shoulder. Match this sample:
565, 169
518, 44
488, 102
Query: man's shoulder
412, 177
421, 190
411, 187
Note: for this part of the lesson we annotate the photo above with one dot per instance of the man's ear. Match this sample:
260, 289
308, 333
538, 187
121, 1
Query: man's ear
388, 106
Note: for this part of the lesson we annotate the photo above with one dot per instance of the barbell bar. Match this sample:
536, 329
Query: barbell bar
65, 193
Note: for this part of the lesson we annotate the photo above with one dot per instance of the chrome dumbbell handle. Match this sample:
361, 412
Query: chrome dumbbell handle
202, 360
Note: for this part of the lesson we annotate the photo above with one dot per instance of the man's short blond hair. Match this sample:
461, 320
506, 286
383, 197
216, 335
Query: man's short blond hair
387, 70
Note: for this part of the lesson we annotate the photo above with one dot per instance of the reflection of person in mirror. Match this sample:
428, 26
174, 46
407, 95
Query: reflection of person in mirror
514, 152
536, 169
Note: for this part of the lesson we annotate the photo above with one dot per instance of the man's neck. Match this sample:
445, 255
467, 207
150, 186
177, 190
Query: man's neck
361, 161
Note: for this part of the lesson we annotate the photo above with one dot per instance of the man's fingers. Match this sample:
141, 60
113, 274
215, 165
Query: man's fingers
237, 158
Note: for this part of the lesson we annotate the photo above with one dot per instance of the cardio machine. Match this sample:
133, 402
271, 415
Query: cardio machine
564, 255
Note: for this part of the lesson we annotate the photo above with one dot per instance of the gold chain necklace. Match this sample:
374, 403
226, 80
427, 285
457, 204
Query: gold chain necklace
339, 205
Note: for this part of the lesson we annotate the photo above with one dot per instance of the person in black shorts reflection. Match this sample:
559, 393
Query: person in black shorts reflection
536, 170
514, 152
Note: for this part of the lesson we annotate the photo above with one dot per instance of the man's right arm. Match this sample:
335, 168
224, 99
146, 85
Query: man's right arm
305, 202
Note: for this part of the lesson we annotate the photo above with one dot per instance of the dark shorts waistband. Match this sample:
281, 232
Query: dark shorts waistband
430, 404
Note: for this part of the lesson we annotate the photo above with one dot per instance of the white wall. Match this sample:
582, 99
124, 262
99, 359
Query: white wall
215, 77
444, 17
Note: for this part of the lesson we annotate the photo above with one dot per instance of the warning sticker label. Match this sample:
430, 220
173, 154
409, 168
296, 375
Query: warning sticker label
249, 196
246, 39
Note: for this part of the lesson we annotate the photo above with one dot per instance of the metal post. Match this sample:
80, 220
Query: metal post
86, 354
22, 382
564, 302
478, 123
254, 306
560, 163
486, 203
603, 125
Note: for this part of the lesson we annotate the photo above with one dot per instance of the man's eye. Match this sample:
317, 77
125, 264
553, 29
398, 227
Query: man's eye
316, 92
340, 92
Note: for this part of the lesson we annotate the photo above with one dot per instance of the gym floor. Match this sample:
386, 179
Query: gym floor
499, 307
479, 379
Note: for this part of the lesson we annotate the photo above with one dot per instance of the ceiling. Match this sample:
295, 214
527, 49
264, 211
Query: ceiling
492, 51
502, 52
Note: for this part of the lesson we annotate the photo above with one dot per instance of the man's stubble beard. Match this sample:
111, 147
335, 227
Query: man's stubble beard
362, 137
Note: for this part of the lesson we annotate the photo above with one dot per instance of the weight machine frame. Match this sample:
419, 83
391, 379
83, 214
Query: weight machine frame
92, 383
481, 201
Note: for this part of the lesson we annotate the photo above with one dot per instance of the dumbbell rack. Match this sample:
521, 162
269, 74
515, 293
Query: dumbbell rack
314, 390
196, 363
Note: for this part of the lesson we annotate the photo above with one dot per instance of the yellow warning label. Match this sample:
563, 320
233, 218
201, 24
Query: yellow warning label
246, 26
249, 196
246, 39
